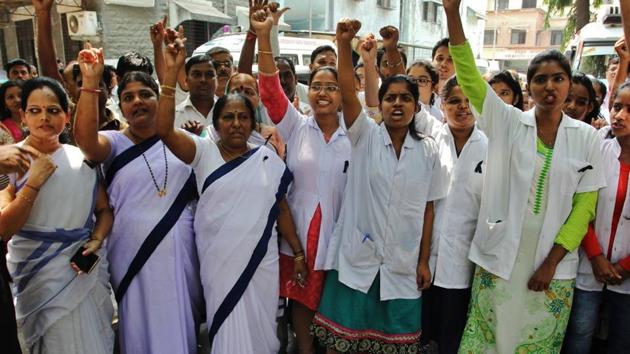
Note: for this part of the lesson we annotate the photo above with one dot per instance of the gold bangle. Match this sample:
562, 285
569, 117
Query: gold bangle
168, 87
298, 258
167, 95
393, 65
265, 52
25, 198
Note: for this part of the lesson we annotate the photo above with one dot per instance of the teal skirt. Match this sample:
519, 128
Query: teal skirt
351, 321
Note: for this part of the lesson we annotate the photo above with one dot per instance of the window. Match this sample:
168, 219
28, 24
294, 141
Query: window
387, 4
429, 11
502, 4
556, 37
529, 4
3, 49
26, 44
489, 37
518, 36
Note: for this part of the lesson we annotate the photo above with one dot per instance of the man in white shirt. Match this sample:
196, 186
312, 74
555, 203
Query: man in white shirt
223, 63
201, 82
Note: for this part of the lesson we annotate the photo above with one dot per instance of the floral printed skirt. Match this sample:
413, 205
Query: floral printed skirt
351, 321
507, 317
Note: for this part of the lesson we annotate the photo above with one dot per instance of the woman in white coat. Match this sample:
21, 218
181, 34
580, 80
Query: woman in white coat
540, 190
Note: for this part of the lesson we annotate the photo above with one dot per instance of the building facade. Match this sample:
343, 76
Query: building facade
123, 25
515, 32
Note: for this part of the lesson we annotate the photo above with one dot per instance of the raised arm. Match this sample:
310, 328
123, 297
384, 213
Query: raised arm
95, 147
157, 38
390, 36
45, 46
367, 49
271, 94
621, 75
625, 15
346, 31
178, 141
468, 77
246, 60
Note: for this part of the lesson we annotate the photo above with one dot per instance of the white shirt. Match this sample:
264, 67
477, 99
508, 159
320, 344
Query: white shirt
186, 111
509, 175
434, 110
380, 225
456, 215
427, 124
320, 171
605, 209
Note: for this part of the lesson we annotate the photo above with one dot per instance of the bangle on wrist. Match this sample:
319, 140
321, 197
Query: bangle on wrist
89, 90
167, 87
163, 94
265, 52
299, 259
393, 65
31, 187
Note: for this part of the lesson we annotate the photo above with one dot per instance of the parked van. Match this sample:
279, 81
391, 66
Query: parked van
298, 49
593, 47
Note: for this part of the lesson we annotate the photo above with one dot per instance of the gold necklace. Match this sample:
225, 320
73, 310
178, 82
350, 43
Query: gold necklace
161, 191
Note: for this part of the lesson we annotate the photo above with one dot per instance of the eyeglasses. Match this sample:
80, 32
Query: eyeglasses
326, 88
218, 64
420, 81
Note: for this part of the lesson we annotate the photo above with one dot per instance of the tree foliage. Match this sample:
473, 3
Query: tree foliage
578, 13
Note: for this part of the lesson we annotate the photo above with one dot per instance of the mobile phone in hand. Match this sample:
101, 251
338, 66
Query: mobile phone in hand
84, 263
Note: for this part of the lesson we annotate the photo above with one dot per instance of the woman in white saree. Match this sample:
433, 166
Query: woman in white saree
241, 196
58, 310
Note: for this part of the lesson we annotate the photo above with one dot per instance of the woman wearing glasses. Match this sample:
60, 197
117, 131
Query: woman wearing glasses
318, 154
424, 74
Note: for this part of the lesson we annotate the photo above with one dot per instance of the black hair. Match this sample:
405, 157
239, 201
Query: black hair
223, 101
4, 110
433, 74
441, 43
599, 83
323, 68
582, 79
545, 56
41, 82
218, 50
133, 61
359, 65
624, 86
289, 62
106, 78
197, 59
16, 62
319, 50
137, 76
507, 78
381, 51
413, 89
448, 87
110, 68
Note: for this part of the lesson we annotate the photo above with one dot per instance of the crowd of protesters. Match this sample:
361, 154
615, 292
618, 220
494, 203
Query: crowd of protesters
393, 206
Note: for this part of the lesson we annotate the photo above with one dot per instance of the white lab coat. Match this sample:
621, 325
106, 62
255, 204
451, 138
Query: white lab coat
575, 168
456, 215
605, 209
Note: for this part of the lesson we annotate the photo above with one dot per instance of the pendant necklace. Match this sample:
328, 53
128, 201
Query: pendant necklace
161, 192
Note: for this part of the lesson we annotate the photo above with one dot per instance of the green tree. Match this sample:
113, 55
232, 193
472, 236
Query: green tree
579, 14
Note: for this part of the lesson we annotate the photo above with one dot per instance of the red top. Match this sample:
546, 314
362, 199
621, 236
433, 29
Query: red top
590, 243
272, 96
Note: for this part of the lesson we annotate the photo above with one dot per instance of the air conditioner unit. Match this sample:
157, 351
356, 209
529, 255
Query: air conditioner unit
82, 23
